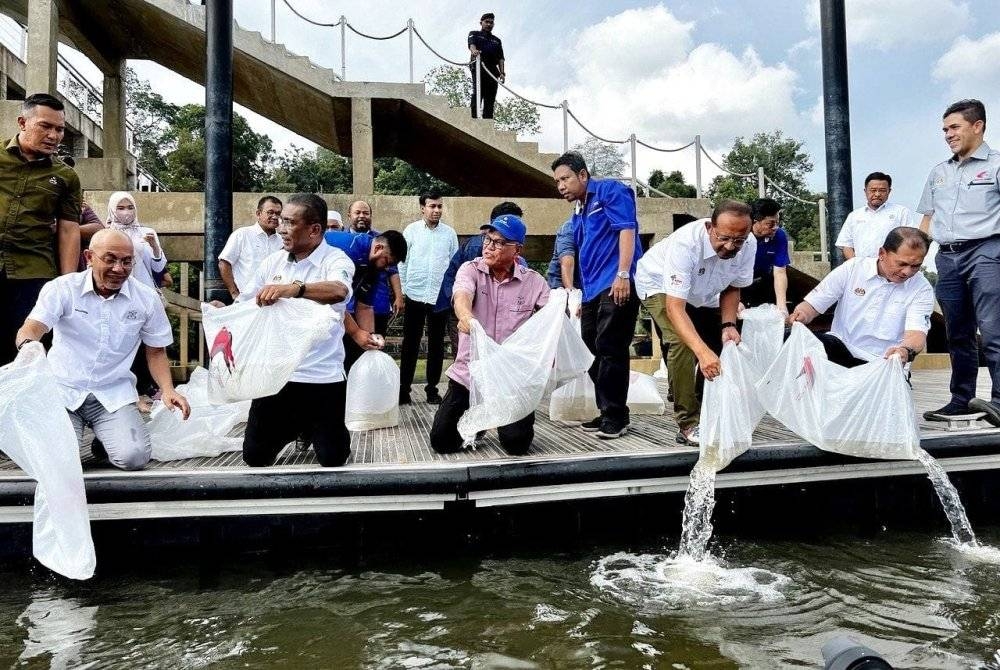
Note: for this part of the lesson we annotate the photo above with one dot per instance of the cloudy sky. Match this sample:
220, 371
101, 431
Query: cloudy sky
667, 71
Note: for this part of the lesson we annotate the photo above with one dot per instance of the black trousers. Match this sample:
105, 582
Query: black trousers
608, 329
760, 292
515, 438
487, 92
314, 411
838, 352
418, 314
17, 298
352, 352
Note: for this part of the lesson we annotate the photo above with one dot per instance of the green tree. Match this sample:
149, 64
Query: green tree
509, 113
603, 159
316, 171
672, 184
785, 164
394, 176
150, 118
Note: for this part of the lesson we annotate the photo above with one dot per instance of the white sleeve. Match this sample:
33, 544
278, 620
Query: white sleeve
831, 289
340, 269
679, 267
918, 312
231, 252
52, 305
745, 271
154, 264
258, 282
846, 236
907, 218
156, 330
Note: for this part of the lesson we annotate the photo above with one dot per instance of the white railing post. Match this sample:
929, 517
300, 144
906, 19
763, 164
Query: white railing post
272, 22
631, 142
565, 115
478, 88
697, 166
343, 47
822, 231
761, 186
409, 30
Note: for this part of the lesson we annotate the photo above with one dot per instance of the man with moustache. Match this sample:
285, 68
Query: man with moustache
99, 317
690, 283
387, 295
865, 228
884, 304
248, 246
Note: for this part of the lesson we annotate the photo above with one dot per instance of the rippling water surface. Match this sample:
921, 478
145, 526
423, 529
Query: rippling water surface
916, 598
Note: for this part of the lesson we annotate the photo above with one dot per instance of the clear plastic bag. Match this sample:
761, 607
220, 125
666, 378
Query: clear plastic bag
38, 436
573, 401
253, 351
373, 392
204, 433
866, 411
643, 396
509, 380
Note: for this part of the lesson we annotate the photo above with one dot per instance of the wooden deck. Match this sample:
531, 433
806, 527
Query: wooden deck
396, 469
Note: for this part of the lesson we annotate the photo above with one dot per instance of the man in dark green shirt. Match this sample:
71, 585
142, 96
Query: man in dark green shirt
37, 191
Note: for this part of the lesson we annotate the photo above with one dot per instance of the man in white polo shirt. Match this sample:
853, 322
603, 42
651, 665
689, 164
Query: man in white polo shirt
248, 246
311, 405
884, 304
99, 316
690, 283
865, 228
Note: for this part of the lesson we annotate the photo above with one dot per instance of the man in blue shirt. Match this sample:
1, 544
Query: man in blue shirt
606, 232
388, 293
488, 47
562, 268
372, 256
770, 279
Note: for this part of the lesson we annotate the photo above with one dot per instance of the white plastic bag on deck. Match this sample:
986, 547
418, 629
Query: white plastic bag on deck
253, 350
205, 433
38, 436
865, 411
509, 380
373, 392
574, 401
643, 396
730, 410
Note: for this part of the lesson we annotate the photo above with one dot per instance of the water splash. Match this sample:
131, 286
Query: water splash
699, 503
961, 529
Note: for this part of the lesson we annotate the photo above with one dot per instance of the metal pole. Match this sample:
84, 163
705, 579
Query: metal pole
218, 140
477, 99
823, 239
565, 108
697, 166
761, 185
409, 30
343, 47
837, 117
272, 22
631, 141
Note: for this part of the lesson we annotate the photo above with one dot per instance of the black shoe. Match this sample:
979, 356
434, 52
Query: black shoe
98, 451
404, 399
611, 429
991, 410
433, 398
593, 425
951, 409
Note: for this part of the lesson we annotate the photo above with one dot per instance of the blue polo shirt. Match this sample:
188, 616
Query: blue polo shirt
771, 253
357, 246
608, 209
564, 246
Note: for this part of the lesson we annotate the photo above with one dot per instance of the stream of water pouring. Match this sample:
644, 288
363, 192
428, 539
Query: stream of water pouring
961, 530
699, 502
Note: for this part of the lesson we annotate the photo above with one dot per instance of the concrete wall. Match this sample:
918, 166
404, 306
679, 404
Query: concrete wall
179, 217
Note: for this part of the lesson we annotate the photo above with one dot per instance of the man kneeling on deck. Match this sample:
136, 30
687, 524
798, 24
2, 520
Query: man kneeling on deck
884, 304
311, 404
501, 295
99, 316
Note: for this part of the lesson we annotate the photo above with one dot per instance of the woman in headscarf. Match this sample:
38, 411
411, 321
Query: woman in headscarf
149, 257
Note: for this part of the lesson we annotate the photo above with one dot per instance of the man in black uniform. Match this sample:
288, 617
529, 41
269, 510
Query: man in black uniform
487, 46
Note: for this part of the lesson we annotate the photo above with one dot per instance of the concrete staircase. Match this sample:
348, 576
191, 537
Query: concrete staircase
310, 100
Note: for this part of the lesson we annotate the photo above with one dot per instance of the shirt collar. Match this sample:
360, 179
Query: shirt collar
869, 268
877, 209
706, 244
315, 257
15, 148
259, 230
982, 153
518, 273
88, 286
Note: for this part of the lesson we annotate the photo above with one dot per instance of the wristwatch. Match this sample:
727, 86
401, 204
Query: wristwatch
728, 324
302, 287
622, 275
911, 353
24, 342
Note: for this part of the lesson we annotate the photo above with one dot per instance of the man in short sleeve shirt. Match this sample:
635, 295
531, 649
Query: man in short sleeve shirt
248, 246
489, 48
961, 208
691, 282
770, 278
865, 228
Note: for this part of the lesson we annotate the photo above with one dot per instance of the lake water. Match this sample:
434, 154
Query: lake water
910, 595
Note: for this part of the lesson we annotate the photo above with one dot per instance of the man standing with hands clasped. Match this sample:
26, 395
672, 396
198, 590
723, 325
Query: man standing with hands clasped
487, 46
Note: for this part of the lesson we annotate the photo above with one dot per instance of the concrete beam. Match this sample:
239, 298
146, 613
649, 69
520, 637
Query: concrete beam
362, 147
43, 41
114, 112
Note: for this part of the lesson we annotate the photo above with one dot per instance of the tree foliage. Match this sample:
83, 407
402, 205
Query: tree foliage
672, 184
784, 163
394, 176
316, 171
509, 113
603, 159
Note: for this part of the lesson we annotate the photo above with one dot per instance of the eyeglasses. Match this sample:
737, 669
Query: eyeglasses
726, 240
495, 242
125, 263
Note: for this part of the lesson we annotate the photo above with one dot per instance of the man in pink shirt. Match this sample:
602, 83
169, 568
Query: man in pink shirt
501, 295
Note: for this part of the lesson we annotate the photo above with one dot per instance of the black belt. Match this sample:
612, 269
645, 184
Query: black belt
955, 247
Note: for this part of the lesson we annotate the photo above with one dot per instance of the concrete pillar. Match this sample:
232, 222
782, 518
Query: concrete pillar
114, 111
43, 40
362, 151
4, 69
80, 146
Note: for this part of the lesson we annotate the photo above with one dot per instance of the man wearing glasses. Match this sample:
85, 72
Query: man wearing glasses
99, 316
249, 245
865, 228
690, 283
501, 295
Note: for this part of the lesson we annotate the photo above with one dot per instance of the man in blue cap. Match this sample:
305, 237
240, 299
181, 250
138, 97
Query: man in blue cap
501, 295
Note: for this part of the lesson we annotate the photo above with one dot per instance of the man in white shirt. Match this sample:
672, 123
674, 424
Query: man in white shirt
99, 316
690, 283
865, 228
311, 405
430, 246
248, 246
884, 304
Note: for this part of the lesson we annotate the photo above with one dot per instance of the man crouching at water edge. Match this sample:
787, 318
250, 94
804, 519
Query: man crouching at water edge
884, 304
99, 316
311, 404
501, 295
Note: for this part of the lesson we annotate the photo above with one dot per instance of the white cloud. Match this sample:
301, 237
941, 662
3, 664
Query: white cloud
664, 42
969, 67
888, 24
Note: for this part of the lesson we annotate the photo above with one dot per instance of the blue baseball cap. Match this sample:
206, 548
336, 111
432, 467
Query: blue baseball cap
510, 226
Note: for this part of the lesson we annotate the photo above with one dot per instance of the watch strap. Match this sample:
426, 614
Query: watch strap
728, 324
